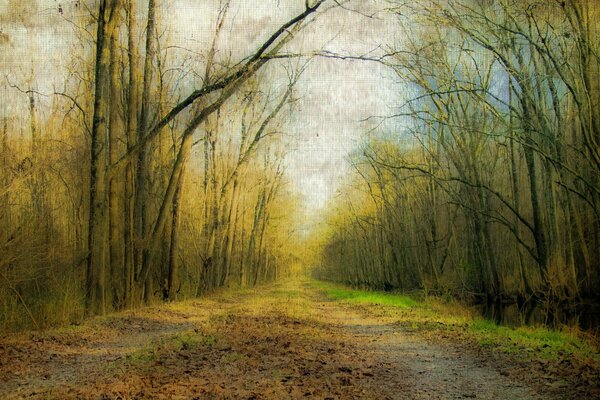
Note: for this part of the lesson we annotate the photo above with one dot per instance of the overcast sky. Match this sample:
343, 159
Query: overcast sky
336, 95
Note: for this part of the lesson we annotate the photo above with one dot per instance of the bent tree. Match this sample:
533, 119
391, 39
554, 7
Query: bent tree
145, 220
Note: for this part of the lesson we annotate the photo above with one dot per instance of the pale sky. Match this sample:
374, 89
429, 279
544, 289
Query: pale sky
335, 95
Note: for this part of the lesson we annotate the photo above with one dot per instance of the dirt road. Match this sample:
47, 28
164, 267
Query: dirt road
284, 341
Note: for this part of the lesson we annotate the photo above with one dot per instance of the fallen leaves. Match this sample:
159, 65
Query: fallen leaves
258, 346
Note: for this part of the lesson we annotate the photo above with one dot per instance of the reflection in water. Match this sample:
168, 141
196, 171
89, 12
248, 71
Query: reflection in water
534, 313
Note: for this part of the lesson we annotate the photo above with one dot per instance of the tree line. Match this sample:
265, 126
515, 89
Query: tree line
488, 184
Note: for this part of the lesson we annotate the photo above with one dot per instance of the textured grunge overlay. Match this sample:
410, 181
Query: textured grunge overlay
290, 199
335, 97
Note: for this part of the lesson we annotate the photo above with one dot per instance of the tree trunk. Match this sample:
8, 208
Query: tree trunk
116, 249
142, 178
173, 262
132, 129
97, 235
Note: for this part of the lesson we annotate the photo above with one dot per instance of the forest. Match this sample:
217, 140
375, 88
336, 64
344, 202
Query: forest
152, 171
331, 199
101, 208
489, 188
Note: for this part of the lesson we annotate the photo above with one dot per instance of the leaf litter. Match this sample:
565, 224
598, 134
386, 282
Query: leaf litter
275, 342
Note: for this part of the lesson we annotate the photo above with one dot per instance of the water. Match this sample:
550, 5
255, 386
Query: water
586, 316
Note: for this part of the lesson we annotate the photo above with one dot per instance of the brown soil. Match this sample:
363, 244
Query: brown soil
284, 341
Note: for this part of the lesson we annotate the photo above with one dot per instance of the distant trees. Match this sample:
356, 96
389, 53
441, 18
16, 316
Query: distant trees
491, 189
164, 181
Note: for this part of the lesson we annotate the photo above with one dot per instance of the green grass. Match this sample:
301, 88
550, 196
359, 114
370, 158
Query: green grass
533, 341
435, 316
340, 293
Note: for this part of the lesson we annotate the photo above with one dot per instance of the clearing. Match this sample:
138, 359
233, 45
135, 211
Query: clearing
286, 340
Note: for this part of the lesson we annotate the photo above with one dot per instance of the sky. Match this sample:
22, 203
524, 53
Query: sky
335, 96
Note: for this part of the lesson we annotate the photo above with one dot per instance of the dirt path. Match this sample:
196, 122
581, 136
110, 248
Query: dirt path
413, 368
285, 342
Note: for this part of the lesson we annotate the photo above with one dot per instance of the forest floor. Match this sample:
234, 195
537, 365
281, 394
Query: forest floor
285, 340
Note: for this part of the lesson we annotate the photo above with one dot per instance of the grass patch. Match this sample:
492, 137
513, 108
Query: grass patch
534, 342
191, 339
285, 294
183, 341
341, 293
436, 316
